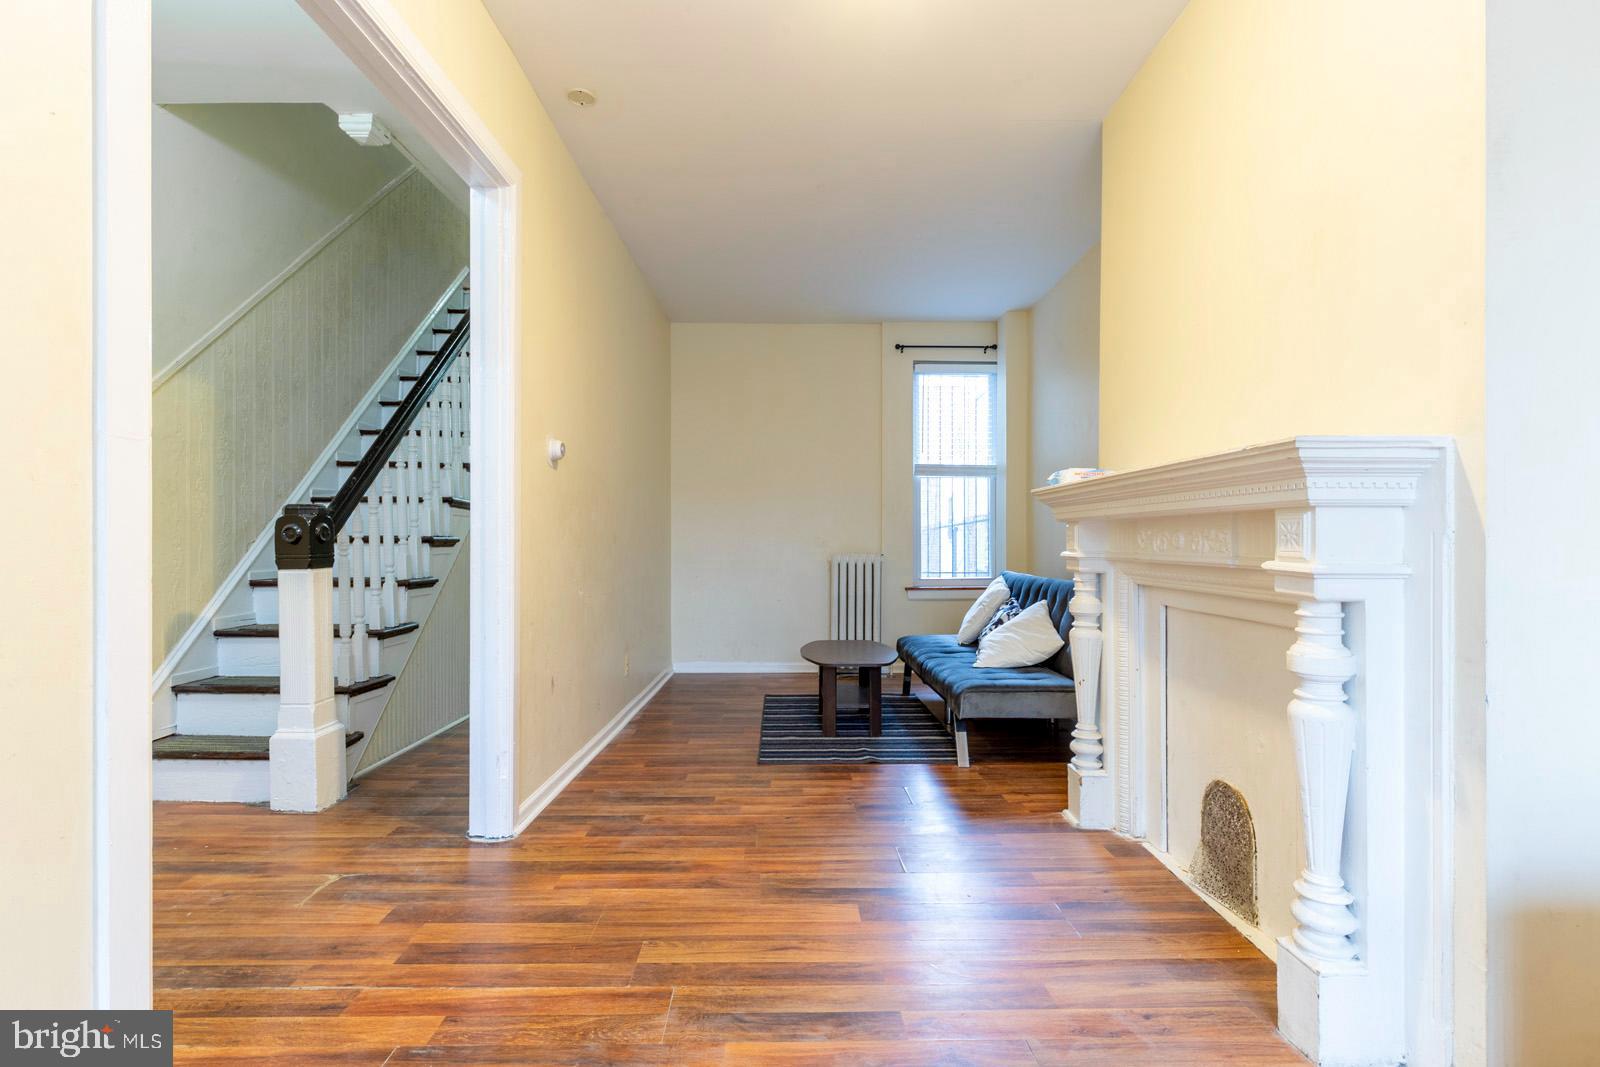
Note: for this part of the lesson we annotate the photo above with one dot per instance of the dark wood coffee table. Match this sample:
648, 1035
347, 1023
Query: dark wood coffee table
867, 657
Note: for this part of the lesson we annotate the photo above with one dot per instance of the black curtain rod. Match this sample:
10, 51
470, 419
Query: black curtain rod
902, 348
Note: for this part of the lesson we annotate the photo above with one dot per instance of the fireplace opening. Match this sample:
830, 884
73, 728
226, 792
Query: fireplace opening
1225, 862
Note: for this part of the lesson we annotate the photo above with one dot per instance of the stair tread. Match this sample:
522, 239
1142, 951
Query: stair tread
458, 502
270, 629
224, 746
258, 684
407, 583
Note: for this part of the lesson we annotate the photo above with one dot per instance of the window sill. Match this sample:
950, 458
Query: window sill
944, 592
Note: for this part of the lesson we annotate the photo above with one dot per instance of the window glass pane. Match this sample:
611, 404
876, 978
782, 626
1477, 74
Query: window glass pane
954, 417
953, 525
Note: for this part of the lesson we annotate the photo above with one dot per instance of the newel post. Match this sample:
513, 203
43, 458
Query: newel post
307, 760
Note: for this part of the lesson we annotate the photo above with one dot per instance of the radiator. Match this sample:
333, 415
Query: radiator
856, 598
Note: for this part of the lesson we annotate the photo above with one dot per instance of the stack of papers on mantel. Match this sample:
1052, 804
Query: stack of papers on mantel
1076, 474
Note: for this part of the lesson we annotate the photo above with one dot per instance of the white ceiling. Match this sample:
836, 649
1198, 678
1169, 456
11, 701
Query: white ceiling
828, 160
269, 52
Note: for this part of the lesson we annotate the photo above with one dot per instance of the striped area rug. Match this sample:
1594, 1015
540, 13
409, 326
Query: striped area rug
791, 732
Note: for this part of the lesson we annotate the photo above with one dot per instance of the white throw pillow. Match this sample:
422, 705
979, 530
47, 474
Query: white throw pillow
982, 610
1027, 640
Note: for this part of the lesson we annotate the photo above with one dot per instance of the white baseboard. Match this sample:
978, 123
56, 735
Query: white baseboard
541, 797
742, 667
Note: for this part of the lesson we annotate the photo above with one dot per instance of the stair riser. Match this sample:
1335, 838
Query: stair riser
259, 655
213, 781
246, 655
224, 781
250, 714
264, 602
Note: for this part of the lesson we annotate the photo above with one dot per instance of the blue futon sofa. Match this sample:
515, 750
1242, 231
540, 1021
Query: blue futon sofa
1042, 692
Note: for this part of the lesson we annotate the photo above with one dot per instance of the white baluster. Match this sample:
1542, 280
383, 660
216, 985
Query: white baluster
1324, 743
447, 419
341, 610
414, 501
394, 506
465, 392
427, 479
382, 490
357, 598
374, 588
430, 469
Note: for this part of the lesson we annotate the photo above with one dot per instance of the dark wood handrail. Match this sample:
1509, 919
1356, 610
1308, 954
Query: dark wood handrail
304, 536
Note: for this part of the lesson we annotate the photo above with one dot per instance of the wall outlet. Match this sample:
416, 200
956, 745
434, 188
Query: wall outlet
627, 663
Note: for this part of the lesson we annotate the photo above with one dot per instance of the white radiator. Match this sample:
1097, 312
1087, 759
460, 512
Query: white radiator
856, 598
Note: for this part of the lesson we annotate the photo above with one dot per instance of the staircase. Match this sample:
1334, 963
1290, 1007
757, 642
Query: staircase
406, 523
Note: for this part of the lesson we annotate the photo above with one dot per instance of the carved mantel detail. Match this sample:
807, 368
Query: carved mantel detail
1332, 526
1293, 535
1197, 539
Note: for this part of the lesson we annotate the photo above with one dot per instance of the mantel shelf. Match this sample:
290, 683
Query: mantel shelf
1296, 472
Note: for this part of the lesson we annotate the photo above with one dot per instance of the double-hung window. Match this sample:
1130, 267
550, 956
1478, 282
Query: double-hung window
954, 467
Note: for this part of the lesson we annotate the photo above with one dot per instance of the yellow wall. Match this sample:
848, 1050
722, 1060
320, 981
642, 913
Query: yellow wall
593, 579
45, 658
1293, 229
1014, 357
1293, 243
775, 437
792, 444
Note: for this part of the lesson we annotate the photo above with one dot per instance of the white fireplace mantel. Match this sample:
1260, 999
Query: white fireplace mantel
1344, 543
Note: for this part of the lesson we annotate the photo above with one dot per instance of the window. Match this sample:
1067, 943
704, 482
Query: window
956, 495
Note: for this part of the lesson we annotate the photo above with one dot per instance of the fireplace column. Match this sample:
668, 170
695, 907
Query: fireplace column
1324, 729
1091, 803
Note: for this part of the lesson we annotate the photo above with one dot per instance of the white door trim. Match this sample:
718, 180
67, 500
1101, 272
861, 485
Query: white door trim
378, 41
375, 38
122, 500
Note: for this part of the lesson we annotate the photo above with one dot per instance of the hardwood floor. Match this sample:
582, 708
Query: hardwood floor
680, 903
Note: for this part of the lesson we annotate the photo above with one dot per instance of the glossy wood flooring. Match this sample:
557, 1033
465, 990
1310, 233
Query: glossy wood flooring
680, 903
